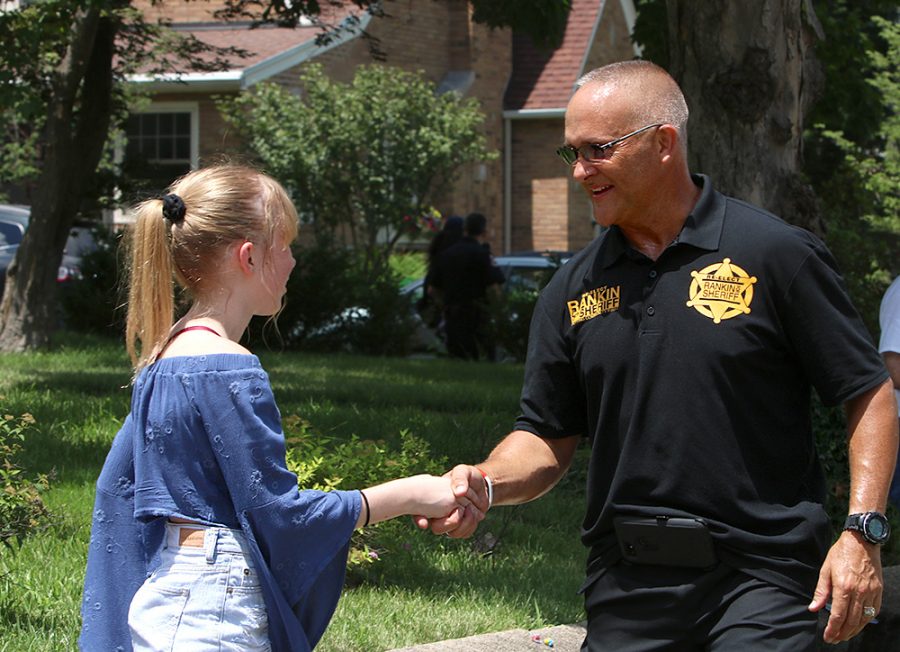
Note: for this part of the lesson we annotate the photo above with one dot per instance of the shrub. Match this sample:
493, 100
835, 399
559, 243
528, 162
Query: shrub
511, 313
511, 320
408, 266
327, 463
94, 303
22, 510
334, 303
364, 159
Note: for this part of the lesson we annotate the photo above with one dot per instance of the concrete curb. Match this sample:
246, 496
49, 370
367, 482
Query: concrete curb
564, 638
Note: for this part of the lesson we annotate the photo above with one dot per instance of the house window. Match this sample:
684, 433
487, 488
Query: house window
161, 138
160, 147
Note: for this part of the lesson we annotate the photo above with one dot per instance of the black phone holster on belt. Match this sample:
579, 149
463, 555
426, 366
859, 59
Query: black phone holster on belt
665, 541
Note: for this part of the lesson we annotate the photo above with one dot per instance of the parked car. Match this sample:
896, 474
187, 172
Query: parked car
14, 222
528, 270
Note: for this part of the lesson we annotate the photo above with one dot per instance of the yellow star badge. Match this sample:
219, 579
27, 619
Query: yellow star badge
721, 291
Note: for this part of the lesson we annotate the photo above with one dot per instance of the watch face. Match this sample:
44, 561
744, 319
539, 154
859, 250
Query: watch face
876, 527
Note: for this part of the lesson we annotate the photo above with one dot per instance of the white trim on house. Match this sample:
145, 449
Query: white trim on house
192, 82
239, 79
590, 44
535, 114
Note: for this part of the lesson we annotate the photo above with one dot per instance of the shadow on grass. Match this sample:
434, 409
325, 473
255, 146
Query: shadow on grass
537, 560
76, 417
547, 589
15, 614
86, 382
445, 385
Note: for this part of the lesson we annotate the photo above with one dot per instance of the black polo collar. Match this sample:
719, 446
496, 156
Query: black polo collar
702, 228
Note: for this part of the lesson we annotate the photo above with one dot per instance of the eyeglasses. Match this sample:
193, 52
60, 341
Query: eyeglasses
593, 152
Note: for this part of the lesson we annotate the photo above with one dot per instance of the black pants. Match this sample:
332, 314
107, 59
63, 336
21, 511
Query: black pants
635, 608
467, 332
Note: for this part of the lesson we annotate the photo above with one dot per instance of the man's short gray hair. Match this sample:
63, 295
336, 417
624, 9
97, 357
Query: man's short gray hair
657, 97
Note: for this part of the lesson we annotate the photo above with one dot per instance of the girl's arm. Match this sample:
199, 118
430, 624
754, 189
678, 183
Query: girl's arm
419, 494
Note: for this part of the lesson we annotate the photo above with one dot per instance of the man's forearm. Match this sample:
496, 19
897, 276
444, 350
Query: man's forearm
524, 466
872, 427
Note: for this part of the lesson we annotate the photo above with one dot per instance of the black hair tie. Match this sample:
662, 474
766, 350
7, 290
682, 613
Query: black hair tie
173, 208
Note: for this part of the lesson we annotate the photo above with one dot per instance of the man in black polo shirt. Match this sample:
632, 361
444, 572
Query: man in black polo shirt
463, 275
683, 343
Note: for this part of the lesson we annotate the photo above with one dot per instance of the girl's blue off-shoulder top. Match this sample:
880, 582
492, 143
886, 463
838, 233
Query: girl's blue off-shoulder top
203, 442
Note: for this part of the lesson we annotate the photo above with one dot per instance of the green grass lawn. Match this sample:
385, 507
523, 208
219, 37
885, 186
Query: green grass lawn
422, 588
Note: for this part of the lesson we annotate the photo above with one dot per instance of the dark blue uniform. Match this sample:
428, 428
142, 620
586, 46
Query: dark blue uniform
462, 273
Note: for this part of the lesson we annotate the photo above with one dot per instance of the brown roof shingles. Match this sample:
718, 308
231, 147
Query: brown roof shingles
258, 43
544, 80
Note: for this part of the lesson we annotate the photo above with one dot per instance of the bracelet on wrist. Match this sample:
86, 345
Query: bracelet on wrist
489, 485
368, 510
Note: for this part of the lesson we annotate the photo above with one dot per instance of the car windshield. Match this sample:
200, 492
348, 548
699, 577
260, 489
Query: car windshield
527, 278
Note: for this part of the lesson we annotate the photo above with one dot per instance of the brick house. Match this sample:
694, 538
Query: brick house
525, 192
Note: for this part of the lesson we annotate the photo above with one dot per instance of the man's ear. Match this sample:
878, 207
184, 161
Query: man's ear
667, 139
245, 253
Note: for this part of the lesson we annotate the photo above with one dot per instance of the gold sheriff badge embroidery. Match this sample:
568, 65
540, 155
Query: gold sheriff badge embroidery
594, 303
721, 291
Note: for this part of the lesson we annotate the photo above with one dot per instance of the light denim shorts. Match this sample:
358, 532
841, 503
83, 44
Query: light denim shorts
204, 596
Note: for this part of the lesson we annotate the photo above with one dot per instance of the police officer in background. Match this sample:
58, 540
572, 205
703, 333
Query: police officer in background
464, 275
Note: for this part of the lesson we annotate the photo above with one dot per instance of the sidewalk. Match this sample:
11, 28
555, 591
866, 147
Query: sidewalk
562, 638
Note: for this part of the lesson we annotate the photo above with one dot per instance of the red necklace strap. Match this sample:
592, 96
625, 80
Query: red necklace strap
194, 328
198, 327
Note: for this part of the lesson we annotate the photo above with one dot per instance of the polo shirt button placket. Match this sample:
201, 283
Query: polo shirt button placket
651, 283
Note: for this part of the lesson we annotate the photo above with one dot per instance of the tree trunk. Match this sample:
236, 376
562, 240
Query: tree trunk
73, 145
749, 74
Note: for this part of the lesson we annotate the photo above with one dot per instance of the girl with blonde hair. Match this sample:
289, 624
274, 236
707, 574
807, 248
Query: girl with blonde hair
201, 539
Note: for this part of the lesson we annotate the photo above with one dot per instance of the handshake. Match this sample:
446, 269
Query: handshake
452, 504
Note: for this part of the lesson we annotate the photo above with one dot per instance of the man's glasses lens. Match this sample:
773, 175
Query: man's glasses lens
589, 152
596, 151
568, 153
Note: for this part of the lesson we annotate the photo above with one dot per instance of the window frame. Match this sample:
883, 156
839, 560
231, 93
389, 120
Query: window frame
192, 109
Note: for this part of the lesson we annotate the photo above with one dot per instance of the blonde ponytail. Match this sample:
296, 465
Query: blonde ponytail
151, 285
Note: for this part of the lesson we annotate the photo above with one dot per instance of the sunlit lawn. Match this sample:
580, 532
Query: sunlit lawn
422, 588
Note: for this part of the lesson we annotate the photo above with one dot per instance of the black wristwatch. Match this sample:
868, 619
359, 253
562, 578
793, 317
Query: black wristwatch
873, 526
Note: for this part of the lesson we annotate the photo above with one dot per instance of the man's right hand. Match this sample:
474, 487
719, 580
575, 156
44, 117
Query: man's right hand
466, 482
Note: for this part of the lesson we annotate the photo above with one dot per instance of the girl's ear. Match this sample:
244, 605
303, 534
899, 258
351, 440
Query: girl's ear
245, 253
